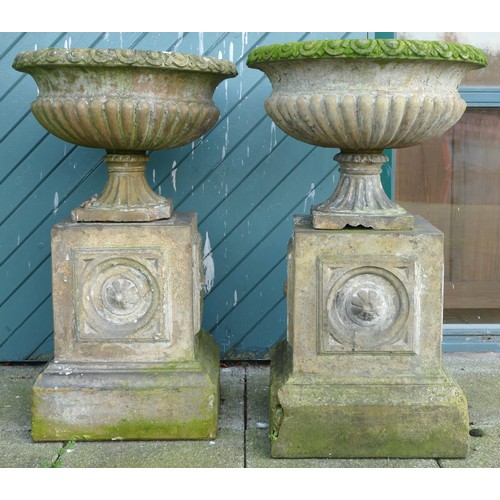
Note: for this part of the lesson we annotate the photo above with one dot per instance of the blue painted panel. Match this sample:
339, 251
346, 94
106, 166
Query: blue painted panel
245, 178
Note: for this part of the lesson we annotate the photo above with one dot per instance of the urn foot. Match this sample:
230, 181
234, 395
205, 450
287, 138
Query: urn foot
359, 199
127, 196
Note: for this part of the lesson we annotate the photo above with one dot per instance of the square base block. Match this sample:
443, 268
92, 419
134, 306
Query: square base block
86, 401
312, 417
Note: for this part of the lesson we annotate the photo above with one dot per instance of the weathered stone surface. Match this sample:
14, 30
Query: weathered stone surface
366, 303
350, 419
359, 198
125, 401
126, 292
130, 359
127, 102
364, 96
360, 374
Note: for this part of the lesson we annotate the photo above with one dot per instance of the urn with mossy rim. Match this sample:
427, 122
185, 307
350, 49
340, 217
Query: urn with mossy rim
359, 374
364, 96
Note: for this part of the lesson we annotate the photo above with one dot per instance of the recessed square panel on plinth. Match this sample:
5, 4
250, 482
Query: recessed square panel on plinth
366, 304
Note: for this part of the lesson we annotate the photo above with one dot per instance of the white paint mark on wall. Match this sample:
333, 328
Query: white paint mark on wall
201, 48
235, 298
36, 46
159, 189
174, 175
208, 265
67, 43
226, 139
121, 40
310, 196
219, 55
154, 175
231, 52
56, 202
273, 136
248, 151
18, 240
244, 41
241, 89
106, 36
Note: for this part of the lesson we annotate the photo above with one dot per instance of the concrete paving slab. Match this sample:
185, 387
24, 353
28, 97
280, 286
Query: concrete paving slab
257, 436
484, 451
227, 450
240, 443
15, 396
16, 446
478, 374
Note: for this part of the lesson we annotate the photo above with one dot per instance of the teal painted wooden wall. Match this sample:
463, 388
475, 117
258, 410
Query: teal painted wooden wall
245, 178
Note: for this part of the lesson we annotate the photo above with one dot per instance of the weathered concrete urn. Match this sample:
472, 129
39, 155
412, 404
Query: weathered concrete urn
131, 361
364, 96
127, 102
360, 372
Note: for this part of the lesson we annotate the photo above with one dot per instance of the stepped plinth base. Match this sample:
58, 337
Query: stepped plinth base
87, 401
313, 417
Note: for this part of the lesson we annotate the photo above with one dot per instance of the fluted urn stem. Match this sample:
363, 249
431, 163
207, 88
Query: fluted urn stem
127, 195
359, 198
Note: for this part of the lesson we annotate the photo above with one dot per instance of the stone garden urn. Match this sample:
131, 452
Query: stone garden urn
359, 374
127, 295
364, 96
127, 102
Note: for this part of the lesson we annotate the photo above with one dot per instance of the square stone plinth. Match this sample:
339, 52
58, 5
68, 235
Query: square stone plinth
126, 291
130, 360
85, 401
360, 373
324, 417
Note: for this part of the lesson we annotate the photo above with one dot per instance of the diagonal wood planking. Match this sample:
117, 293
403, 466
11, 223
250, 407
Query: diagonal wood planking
245, 178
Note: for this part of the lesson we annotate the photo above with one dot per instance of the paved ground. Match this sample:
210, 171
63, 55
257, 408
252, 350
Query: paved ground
243, 436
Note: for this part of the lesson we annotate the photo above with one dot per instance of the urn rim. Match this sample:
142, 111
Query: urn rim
369, 49
122, 58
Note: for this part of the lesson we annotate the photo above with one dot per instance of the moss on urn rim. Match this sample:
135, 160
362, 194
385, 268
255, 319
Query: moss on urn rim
57, 57
369, 49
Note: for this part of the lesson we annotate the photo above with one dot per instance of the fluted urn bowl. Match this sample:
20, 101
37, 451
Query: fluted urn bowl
364, 96
127, 102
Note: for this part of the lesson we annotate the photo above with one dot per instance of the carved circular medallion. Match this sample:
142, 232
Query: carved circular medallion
120, 295
367, 308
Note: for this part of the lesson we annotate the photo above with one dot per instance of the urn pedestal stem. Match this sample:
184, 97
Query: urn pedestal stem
360, 199
127, 195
